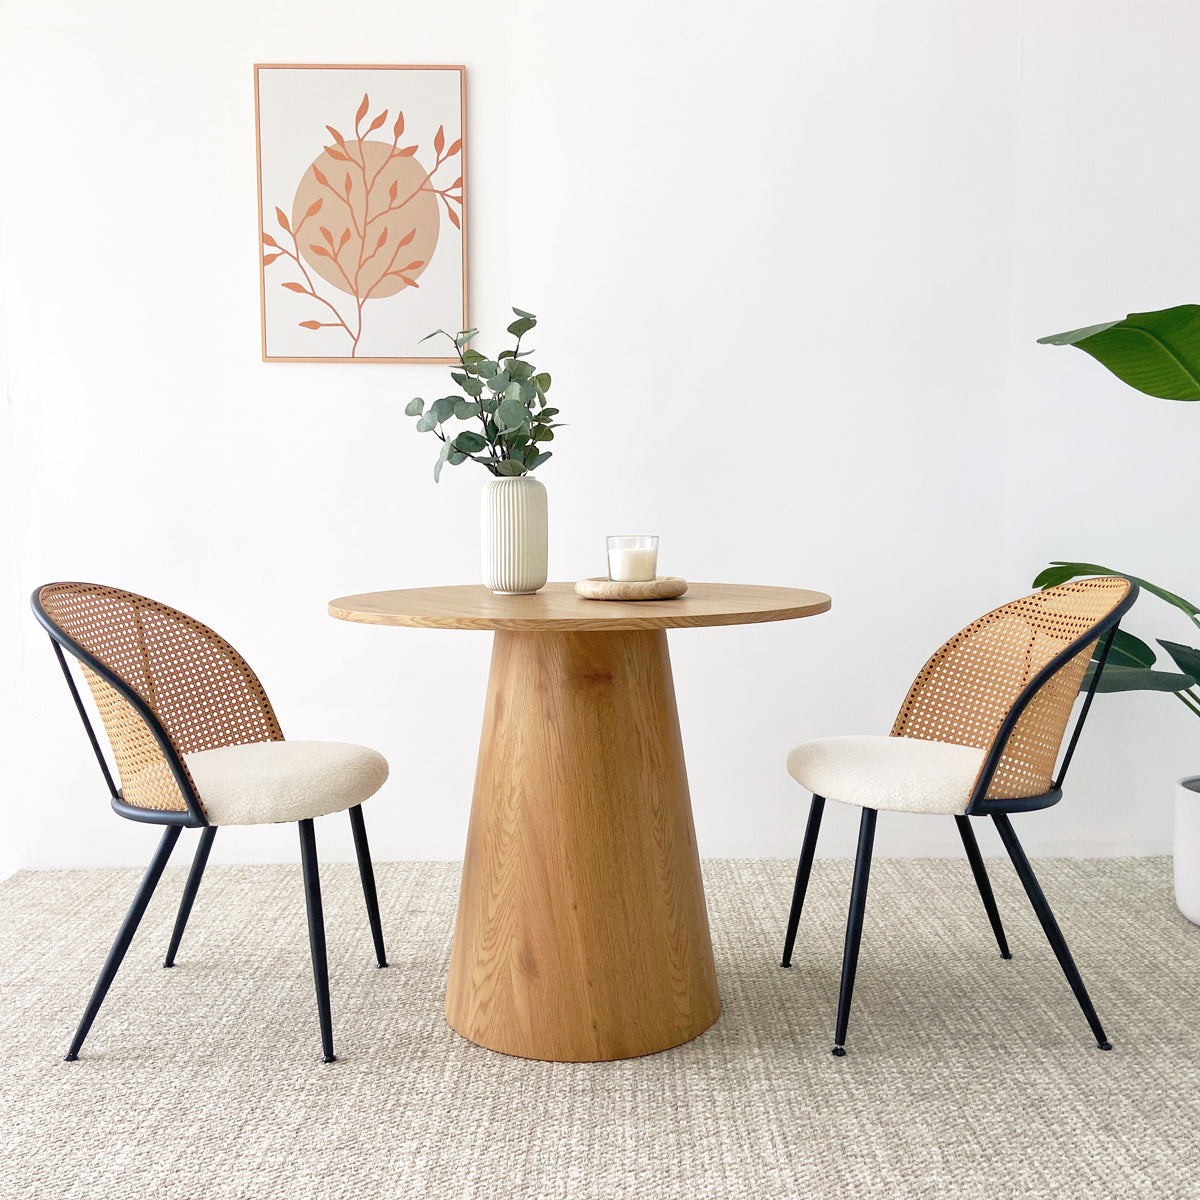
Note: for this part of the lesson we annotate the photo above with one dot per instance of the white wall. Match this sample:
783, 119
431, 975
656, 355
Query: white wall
790, 261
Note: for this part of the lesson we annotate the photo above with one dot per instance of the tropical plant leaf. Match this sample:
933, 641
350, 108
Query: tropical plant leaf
1060, 572
1127, 651
1156, 352
1135, 679
1186, 658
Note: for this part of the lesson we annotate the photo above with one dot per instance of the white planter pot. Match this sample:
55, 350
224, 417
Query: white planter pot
515, 542
1187, 847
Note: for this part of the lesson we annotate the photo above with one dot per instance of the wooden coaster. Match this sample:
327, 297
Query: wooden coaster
663, 587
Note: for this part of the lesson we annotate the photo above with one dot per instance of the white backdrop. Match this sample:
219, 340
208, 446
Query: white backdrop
790, 260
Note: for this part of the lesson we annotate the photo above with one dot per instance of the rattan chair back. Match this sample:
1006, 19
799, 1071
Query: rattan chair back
966, 692
197, 687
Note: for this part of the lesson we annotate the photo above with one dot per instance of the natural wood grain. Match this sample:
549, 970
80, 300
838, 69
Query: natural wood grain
582, 932
557, 608
661, 587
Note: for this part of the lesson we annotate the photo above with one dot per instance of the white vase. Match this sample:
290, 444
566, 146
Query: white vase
1187, 847
515, 542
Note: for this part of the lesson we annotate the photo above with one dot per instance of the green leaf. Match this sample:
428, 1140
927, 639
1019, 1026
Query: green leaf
487, 368
437, 469
519, 370
515, 441
522, 313
488, 403
1156, 352
1136, 679
466, 410
533, 464
522, 326
548, 412
469, 442
543, 381
414, 408
460, 378
427, 423
1186, 658
433, 335
456, 458
512, 413
472, 358
543, 433
1060, 572
510, 467
443, 409
473, 387
1127, 651
463, 337
498, 382
506, 354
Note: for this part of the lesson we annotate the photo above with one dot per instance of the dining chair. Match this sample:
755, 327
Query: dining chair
196, 744
978, 735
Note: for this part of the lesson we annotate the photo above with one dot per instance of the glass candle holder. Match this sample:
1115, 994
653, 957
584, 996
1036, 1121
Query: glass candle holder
632, 558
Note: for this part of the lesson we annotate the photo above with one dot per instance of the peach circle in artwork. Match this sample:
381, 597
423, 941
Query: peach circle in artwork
368, 222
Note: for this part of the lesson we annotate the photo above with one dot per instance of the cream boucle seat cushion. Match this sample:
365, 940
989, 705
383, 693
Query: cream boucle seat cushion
265, 782
897, 774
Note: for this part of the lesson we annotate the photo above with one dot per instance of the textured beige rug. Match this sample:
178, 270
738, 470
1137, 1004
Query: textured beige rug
967, 1076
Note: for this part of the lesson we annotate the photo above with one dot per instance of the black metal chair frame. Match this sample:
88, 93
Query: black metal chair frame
979, 805
194, 817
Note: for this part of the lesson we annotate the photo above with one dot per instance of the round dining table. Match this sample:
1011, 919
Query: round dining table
582, 933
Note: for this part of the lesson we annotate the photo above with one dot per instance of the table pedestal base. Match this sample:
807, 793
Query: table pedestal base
582, 932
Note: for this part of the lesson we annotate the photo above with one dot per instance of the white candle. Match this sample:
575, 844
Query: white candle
632, 566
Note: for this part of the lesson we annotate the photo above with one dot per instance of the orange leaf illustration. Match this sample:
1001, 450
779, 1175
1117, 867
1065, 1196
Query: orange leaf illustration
454, 149
453, 218
319, 176
393, 192
337, 154
268, 240
283, 221
313, 208
327, 235
439, 141
310, 324
337, 137
410, 282
379, 120
382, 238
346, 237
362, 110
407, 152
268, 259
456, 183
320, 250
408, 237
296, 287
398, 128
412, 266
348, 184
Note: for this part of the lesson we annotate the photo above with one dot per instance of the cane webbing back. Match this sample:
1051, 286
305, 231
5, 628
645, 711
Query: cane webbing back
196, 684
965, 691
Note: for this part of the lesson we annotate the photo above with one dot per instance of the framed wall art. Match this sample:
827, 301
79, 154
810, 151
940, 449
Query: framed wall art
361, 199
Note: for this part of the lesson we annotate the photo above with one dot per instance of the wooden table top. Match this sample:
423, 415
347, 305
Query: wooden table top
557, 608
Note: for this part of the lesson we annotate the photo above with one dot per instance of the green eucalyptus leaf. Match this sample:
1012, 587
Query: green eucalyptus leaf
1060, 572
488, 403
446, 450
521, 326
473, 387
512, 413
466, 410
427, 423
506, 354
469, 442
443, 409
510, 467
433, 335
455, 458
461, 378
522, 313
472, 358
548, 412
536, 462
1135, 679
519, 370
462, 338
499, 381
543, 381
1156, 352
415, 407
543, 433
437, 469
487, 368
491, 429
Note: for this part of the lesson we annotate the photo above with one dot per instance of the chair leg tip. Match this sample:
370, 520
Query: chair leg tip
839, 1052
328, 1058
786, 965
167, 966
1104, 1045
1006, 954
381, 966
71, 1056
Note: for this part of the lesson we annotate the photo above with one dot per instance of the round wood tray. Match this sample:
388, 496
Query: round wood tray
662, 587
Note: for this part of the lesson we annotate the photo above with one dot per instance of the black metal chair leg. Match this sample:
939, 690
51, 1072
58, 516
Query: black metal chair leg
316, 934
367, 874
803, 871
199, 862
971, 846
128, 928
1053, 934
854, 924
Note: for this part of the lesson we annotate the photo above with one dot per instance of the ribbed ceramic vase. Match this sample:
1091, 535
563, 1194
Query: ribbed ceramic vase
515, 542
1187, 847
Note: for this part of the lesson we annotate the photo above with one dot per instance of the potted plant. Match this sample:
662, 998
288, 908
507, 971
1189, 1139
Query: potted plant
1157, 353
508, 423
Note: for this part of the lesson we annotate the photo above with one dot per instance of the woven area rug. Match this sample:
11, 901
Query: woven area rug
967, 1076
